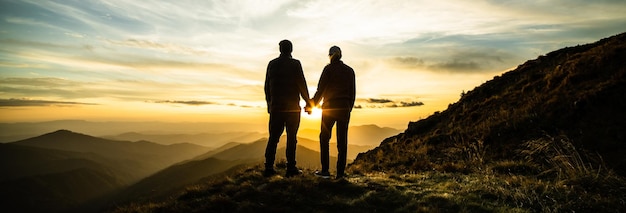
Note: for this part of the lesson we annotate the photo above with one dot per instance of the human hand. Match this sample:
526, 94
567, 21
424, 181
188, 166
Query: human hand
308, 108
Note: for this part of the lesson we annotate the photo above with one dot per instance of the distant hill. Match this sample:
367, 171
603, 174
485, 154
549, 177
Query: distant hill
171, 179
23, 130
72, 190
68, 171
569, 103
142, 157
305, 156
212, 140
24, 161
364, 135
57, 180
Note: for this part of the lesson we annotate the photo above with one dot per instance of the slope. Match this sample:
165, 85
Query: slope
246, 190
570, 102
305, 157
168, 180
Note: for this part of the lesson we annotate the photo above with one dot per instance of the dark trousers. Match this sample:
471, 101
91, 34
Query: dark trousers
279, 121
329, 118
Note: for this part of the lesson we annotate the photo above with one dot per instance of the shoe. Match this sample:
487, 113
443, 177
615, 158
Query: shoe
293, 172
341, 176
324, 175
269, 172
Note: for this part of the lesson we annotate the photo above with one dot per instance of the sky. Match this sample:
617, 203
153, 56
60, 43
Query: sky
205, 61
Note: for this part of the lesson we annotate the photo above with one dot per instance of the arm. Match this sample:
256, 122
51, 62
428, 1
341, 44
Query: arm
267, 87
301, 82
321, 87
353, 90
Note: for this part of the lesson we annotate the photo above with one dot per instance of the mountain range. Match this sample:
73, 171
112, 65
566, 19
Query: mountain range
64, 170
70, 171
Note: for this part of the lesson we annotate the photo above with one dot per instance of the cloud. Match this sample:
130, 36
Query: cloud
457, 65
164, 47
408, 61
201, 103
410, 104
379, 100
43, 87
14, 102
385, 103
192, 103
457, 58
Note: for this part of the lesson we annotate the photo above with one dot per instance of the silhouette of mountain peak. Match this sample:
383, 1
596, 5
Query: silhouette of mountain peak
64, 134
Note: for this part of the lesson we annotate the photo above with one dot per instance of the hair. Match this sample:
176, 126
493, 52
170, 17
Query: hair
335, 53
285, 46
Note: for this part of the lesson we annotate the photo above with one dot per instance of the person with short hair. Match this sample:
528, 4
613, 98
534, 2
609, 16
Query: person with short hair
284, 84
337, 90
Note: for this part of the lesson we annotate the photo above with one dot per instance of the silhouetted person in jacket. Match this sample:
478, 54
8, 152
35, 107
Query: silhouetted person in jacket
284, 84
337, 89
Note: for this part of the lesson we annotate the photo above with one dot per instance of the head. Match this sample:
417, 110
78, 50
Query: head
285, 46
334, 53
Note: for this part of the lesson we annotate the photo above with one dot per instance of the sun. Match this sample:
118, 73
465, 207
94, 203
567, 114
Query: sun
316, 113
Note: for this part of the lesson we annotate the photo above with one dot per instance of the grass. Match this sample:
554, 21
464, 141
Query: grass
508, 186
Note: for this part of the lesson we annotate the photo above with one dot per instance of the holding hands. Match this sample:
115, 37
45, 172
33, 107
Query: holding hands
309, 106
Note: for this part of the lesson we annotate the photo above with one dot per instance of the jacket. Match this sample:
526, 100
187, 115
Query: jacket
284, 84
336, 86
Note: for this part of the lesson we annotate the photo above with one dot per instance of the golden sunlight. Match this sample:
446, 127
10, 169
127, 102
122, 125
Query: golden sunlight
315, 114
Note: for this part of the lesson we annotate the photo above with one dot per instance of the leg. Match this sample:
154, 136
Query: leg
342, 140
325, 133
276, 128
292, 124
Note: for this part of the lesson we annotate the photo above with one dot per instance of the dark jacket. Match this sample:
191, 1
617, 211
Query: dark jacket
336, 86
284, 84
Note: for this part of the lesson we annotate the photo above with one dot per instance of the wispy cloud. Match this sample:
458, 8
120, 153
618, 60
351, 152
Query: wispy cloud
385, 103
164, 47
13, 102
192, 103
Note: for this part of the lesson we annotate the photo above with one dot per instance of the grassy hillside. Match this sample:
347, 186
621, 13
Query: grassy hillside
570, 102
246, 190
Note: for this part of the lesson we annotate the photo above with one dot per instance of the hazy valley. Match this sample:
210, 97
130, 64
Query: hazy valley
70, 171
